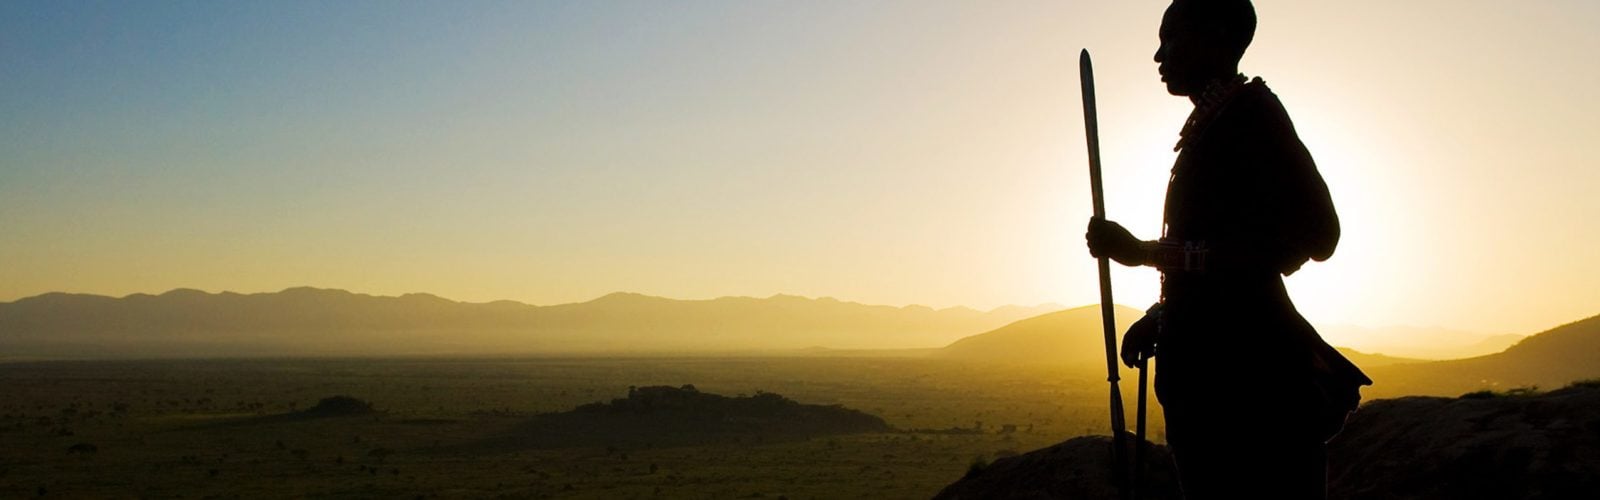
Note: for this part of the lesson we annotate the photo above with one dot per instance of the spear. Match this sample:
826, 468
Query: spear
1108, 321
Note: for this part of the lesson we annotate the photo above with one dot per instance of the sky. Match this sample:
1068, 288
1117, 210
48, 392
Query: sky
891, 152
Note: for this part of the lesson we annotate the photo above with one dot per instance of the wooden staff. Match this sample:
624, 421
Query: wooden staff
1119, 426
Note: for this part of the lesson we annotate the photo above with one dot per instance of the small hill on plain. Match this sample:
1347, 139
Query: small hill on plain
674, 416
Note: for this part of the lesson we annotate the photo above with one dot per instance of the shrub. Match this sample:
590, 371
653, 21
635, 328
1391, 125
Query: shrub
1531, 390
340, 405
1524, 391
1593, 383
977, 466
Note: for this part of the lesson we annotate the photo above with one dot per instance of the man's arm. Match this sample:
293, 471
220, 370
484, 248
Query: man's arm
1110, 239
1278, 213
1291, 219
1311, 225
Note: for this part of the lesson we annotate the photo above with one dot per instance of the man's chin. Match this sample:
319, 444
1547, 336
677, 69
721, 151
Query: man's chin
1178, 90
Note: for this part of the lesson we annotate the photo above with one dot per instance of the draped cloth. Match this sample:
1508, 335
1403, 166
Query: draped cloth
1250, 391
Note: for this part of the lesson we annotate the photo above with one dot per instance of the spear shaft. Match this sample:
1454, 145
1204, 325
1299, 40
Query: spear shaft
1091, 127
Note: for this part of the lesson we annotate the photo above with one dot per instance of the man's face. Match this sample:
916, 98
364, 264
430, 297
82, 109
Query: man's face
1188, 57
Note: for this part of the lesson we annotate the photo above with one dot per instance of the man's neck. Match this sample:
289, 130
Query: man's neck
1206, 104
1216, 85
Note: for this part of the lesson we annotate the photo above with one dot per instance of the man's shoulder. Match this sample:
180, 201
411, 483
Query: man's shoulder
1256, 109
1256, 99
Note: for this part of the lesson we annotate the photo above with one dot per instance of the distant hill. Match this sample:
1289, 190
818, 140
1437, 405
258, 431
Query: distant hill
673, 416
1552, 358
1418, 342
312, 321
1365, 360
1073, 337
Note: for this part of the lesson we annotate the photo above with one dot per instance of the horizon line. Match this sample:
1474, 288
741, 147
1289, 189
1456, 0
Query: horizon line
1051, 306
1042, 305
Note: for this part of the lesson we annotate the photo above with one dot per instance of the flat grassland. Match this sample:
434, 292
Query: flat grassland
234, 428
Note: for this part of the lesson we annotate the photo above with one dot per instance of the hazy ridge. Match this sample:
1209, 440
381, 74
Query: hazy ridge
1548, 359
312, 321
1073, 337
1420, 342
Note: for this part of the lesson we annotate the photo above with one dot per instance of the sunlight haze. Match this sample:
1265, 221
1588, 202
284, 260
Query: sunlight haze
879, 152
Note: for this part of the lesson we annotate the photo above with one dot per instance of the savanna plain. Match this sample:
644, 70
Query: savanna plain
449, 427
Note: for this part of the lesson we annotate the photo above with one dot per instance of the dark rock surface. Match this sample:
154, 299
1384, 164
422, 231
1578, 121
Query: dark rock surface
1077, 468
1521, 445
1518, 446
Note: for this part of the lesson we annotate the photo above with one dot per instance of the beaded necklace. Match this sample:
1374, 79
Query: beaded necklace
1216, 93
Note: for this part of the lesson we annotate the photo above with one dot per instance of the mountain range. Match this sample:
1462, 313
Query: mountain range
313, 321
326, 322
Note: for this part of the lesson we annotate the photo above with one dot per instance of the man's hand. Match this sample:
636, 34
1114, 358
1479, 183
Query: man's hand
1139, 344
1109, 239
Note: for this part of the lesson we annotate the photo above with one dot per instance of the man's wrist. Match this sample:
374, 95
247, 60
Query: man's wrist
1149, 253
1175, 256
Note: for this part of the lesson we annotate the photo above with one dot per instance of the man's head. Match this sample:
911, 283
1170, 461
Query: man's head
1203, 40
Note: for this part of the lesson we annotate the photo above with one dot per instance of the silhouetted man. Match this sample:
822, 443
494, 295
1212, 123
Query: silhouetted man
1251, 393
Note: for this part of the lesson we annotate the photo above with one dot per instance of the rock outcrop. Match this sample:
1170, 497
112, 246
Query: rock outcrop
1483, 445
1078, 468
1517, 445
